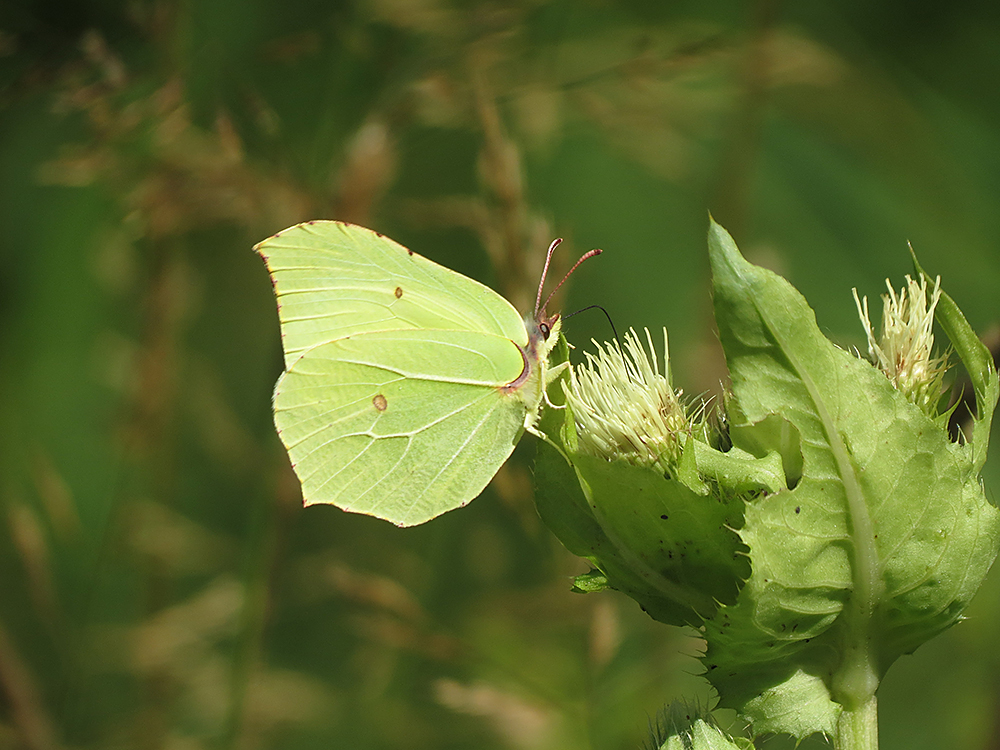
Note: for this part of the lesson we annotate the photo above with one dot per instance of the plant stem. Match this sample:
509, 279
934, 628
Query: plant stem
858, 728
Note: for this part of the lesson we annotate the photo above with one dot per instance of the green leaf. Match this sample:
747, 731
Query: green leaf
737, 471
681, 544
563, 506
672, 550
590, 582
882, 541
978, 363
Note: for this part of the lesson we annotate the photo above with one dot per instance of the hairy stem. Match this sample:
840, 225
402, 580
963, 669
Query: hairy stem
858, 727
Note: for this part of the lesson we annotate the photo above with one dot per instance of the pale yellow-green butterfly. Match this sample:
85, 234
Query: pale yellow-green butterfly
406, 385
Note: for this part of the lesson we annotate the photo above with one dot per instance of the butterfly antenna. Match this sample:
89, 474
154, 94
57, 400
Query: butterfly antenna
545, 272
606, 315
585, 256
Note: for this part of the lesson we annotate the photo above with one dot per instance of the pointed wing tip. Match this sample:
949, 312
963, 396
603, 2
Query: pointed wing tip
260, 246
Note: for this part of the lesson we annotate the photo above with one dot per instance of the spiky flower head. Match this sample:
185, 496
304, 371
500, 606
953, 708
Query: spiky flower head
625, 408
905, 349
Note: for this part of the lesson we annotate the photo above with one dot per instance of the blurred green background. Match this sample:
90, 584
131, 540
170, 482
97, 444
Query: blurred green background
160, 585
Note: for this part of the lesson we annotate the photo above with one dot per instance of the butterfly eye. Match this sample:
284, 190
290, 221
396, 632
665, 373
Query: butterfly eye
545, 329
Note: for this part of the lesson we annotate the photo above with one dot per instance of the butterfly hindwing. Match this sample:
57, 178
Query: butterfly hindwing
403, 425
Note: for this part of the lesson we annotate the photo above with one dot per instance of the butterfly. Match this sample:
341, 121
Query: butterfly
406, 385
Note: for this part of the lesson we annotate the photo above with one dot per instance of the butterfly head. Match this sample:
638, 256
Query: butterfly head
543, 333
542, 324
548, 325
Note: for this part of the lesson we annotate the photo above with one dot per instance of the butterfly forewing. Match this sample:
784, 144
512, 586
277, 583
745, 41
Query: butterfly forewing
403, 425
333, 280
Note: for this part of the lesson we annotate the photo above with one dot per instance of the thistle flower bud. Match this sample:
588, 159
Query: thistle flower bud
905, 349
625, 408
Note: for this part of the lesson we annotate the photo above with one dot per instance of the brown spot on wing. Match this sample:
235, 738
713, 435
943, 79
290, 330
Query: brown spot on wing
398, 292
380, 403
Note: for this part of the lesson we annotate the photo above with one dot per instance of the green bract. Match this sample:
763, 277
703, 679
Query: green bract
841, 529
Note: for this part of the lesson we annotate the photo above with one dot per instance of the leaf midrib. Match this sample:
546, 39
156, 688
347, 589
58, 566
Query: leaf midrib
867, 569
